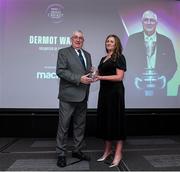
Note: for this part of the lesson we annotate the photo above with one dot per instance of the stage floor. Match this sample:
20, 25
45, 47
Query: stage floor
141, 153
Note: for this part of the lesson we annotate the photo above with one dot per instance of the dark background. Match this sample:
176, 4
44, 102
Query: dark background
43, 123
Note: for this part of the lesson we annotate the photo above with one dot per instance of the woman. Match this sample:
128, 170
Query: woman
111, 118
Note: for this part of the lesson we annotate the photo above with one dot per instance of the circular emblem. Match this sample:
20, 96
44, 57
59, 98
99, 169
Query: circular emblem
55, 13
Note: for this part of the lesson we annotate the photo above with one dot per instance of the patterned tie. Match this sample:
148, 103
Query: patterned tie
81, 59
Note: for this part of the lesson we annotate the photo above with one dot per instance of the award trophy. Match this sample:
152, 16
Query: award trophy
93, 72
149, 81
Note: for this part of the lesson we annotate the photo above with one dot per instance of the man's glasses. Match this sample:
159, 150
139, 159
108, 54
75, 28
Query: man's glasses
78, 38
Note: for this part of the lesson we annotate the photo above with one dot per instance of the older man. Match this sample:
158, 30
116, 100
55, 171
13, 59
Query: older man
73, 65
150, 59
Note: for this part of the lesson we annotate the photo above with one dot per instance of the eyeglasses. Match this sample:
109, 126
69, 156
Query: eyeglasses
77, 37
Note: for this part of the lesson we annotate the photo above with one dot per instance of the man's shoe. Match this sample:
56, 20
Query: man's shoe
80, 156
61, 162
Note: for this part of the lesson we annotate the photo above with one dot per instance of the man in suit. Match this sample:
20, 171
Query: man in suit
150, 59
73, 65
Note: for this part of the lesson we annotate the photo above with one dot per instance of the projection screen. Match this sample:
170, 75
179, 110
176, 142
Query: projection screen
32, 31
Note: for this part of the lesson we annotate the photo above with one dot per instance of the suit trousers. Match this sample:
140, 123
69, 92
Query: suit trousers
66, 111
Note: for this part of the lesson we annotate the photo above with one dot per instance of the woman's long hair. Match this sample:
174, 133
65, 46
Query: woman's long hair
118, 47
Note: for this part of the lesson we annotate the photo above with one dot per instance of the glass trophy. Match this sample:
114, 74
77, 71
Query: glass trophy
93, 72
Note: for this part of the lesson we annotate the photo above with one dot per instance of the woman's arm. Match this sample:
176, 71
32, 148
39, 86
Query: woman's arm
118, 77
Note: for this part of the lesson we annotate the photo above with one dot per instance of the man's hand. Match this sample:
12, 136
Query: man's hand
86, 80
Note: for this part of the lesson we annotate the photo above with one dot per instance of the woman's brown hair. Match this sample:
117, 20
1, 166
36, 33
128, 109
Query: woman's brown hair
118, 46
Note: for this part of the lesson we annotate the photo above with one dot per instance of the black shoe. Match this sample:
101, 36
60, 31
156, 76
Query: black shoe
61, 162
80, 156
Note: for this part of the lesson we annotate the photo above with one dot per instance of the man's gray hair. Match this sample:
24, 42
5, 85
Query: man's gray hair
79, 31
149, 14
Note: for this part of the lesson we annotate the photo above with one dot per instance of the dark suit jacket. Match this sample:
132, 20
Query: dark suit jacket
70, 69
135, 53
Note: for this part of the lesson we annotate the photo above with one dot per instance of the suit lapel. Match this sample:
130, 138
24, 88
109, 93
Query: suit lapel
158, 52
76, 58
87, 60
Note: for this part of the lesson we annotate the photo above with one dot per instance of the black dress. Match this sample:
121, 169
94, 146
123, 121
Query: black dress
111, 103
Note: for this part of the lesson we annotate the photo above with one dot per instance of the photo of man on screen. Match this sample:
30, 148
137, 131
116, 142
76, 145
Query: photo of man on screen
155, 62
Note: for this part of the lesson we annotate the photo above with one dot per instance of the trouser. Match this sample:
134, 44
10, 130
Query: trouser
66, 111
